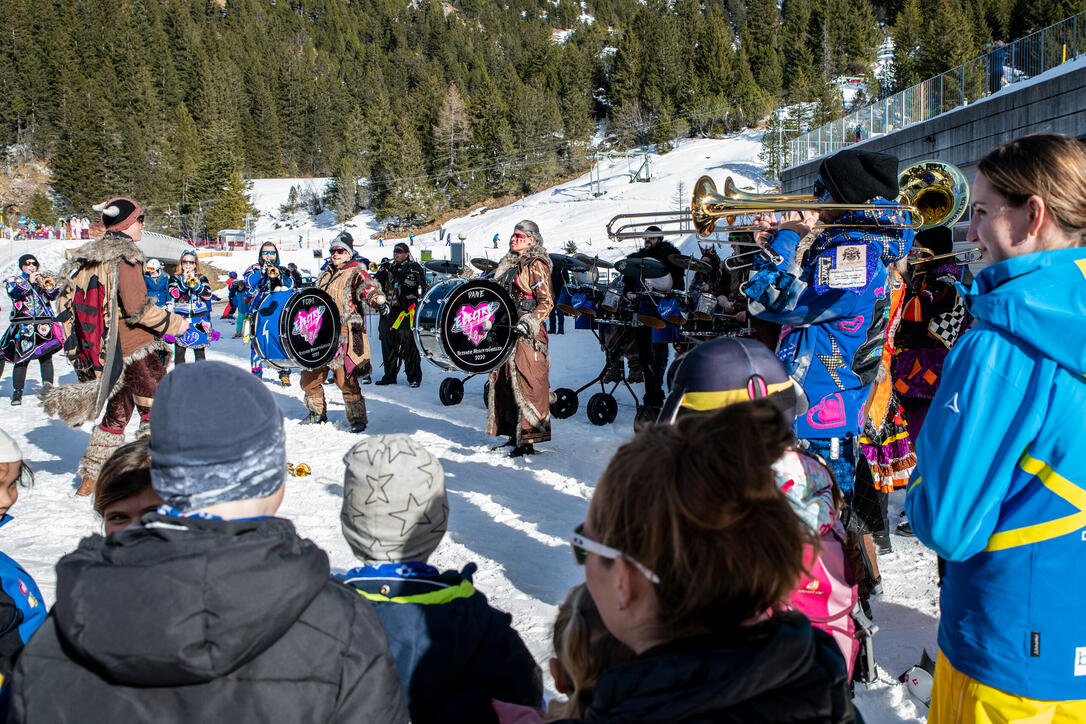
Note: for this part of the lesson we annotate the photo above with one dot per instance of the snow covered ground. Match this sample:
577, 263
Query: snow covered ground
511, 517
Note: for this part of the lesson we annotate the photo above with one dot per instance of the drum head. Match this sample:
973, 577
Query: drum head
475, 324
309, 328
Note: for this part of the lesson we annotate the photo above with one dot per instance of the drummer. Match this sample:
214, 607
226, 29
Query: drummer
346, 281
261, 279
653, 344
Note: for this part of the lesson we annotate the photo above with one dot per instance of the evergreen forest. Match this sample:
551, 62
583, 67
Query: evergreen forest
419, 107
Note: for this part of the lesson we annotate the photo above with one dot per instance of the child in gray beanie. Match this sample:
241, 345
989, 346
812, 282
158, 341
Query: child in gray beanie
202, 610
454, 652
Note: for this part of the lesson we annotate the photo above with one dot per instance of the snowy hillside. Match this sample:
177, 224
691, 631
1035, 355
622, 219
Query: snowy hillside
511, 517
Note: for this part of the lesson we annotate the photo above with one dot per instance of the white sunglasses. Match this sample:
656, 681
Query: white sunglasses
582, 546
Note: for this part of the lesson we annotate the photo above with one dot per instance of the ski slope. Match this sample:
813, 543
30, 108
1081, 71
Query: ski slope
511, 517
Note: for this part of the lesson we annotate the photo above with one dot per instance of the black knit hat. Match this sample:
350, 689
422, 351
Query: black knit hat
343, 241
118, 213
401, 247
854, 177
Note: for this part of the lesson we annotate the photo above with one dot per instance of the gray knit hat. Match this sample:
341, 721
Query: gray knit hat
201, 456
394, 503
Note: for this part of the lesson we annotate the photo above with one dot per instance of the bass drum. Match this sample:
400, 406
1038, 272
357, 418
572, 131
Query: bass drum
466, 325
297, 328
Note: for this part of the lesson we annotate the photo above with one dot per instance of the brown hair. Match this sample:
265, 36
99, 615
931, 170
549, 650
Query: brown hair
585, 649
1049, 165
125, 473
697, 503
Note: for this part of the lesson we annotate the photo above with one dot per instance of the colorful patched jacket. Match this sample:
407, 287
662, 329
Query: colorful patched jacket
831, 301
999, 490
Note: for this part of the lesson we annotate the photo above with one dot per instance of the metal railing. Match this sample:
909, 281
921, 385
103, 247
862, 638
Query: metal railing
1015, 62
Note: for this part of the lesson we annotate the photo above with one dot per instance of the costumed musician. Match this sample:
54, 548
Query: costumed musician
403, 282
260, 279
653, 345
190, 296
347, 282
33, 332
112, 337
518, 402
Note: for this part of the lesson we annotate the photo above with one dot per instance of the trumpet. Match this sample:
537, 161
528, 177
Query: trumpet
48, 283
272, 272
922, 255
193, 282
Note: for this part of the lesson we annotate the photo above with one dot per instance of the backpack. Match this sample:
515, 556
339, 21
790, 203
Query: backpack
827, 593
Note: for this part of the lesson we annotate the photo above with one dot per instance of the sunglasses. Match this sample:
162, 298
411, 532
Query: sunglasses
140, 218
269, 252
821, 193
32, 263
519, 235
583, 545
338, 250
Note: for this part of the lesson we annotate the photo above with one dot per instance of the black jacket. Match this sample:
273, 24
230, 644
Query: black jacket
660, 251
402, 283
190, 620
454, 651
783, 670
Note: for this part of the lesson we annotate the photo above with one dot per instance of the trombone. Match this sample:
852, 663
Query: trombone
965, 257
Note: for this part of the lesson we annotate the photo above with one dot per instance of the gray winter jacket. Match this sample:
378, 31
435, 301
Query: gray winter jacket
192, 620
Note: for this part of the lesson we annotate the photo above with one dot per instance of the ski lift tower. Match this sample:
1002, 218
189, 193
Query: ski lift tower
642, 174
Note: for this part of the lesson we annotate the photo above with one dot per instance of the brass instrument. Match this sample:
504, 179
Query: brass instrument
933, 192
300, 470
708, 206
939, 190
922, 255
193, 282
272, 272
48, 283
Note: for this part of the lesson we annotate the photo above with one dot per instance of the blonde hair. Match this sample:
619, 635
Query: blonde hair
1049, 165
585, 649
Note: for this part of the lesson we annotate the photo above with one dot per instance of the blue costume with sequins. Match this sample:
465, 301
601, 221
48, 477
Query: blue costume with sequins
258, 285
830, 302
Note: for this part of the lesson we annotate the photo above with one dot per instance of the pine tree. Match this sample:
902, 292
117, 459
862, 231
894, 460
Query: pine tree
229, 209
906, 35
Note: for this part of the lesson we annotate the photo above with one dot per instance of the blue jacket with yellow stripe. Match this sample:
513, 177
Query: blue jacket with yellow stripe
999, 490
453, 650
22, 610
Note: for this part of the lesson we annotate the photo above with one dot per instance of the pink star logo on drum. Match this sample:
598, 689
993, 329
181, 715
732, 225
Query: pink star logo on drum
307, 323
475, 322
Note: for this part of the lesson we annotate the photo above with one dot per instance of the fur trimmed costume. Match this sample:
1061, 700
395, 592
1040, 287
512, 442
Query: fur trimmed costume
113, 340
353, 288
518, 403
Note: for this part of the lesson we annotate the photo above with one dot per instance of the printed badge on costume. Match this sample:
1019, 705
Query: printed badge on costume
848, 266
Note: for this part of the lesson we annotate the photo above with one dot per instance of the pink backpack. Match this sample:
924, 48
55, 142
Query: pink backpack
828, 595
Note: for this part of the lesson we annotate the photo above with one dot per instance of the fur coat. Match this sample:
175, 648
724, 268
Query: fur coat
109, 322
518, 403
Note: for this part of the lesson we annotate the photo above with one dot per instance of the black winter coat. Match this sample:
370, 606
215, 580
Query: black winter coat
783, 670
190, 620
455, 656
661, 251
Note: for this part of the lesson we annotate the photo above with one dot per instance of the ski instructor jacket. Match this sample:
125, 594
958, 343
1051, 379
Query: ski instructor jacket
1000, 486
184, 619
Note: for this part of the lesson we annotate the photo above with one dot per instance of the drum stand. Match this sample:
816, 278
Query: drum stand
602, 407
